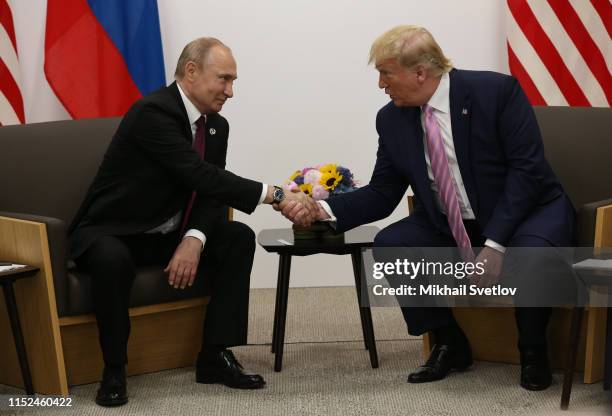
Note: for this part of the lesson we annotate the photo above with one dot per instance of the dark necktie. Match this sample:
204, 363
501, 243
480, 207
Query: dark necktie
198, 145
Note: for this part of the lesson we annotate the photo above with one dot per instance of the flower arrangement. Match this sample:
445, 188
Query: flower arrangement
322, 181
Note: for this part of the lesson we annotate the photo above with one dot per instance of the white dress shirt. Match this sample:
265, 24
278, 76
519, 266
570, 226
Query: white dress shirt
173, 223
440, 103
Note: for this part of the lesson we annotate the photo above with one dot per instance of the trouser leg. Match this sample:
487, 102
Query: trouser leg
227, 261
543, 278
405, 238
108, 262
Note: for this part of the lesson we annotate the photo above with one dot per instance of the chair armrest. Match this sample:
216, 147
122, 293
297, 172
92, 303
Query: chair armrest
56, 235
603, 228
585, 222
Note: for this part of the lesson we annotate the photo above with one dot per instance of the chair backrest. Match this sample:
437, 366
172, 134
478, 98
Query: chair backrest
578, 145
45, 168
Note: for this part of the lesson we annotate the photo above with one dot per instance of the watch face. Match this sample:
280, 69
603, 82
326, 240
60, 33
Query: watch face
278, 195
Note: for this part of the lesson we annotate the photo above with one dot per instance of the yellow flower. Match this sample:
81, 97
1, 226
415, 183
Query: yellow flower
295, 175
329, 168
306, 188
330, 180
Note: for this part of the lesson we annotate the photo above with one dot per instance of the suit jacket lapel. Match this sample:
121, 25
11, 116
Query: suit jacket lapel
461, 113
176, 95
211, 134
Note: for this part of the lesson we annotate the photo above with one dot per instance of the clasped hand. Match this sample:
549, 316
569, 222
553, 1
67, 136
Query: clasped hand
299, 208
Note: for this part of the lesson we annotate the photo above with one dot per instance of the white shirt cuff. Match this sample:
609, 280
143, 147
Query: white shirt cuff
495, 246
328, 210
264, 193
197, 234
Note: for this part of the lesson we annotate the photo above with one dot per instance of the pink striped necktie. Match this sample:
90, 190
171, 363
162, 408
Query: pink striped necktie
198, 145
447, 189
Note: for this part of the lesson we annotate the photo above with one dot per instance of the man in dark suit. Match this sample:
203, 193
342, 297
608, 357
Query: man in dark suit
469, 145
161, 196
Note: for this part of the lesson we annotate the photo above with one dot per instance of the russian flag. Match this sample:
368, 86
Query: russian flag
102, 55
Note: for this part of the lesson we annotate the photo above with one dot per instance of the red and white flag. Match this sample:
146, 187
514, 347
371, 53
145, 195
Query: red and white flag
11, 102
561, 50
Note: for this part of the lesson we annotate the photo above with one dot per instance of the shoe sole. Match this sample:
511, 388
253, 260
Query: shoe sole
456, 369
216, 380
114, 403
536, 388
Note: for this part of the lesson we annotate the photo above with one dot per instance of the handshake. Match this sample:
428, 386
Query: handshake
296, 206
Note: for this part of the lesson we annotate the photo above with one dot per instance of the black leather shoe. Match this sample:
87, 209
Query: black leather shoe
535, 369
443, 359
222, 367
113, 388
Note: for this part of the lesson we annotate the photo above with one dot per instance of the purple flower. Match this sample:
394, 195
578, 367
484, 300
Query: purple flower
347, 176
342, 188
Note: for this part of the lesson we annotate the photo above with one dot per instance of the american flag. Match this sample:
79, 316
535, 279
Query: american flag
11, 102
561, 50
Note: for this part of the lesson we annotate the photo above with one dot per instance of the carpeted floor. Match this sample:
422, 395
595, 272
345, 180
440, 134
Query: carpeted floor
326, 371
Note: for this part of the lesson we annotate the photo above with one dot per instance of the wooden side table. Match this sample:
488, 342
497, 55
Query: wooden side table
281, 241
7, 279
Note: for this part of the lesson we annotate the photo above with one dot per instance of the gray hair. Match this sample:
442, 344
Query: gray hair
196, 51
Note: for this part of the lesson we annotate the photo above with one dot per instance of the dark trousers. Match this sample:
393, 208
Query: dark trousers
415, 231
226, 263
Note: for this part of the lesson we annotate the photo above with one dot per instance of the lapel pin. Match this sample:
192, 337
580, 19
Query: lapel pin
212, 131
464, 112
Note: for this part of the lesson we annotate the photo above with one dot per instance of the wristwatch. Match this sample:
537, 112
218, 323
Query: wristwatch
278, 195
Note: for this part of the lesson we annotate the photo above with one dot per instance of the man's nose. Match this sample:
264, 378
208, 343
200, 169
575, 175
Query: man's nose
381, 84
229, 90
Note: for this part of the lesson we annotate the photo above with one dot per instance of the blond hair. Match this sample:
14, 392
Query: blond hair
410, 46
197, 51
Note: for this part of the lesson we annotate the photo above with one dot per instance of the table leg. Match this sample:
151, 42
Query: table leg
277, 304
11, 306
608, 346
285, 265
362, 313
574, 340
365, 312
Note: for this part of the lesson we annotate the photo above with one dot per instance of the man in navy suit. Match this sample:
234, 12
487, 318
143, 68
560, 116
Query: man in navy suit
468, 144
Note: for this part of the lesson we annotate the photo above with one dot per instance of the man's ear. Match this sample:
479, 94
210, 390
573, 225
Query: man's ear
191, 70
421, 73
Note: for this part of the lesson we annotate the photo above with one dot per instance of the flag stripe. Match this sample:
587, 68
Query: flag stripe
592, 20
584, 43
566, 48
547, 52
7, 112
518, 70
10, 89
82, 65
11, 101
130, 25
8, 54
604, 10
532, 63
6, 20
